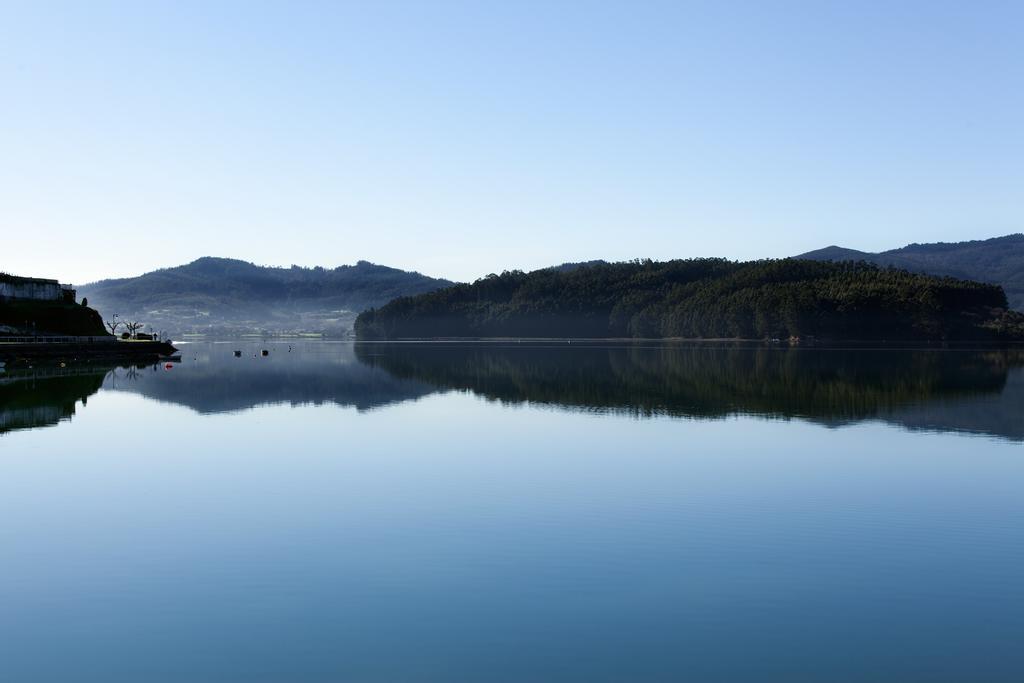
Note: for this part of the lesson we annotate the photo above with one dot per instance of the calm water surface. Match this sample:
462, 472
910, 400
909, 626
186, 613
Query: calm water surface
510, 512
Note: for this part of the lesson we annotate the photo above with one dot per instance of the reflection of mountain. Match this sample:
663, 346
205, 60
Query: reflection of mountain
211, 380
949, 390
42, 397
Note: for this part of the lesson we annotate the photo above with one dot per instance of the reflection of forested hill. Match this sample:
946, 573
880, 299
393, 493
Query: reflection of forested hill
932, 388
211, 380
43, 397
999, 414
948, 390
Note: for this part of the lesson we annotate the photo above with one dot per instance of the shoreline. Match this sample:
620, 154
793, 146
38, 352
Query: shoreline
65, 351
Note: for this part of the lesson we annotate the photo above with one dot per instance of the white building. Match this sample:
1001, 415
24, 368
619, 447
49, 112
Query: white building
33, 288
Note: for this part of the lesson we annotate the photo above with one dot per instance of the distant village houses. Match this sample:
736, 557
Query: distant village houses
35, 289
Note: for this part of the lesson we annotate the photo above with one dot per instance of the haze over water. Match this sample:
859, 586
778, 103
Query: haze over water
515, 512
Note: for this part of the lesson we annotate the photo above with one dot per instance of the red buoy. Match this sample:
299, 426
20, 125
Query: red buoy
168, 366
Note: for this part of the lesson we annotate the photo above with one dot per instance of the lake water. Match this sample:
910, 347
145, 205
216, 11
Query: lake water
515, 512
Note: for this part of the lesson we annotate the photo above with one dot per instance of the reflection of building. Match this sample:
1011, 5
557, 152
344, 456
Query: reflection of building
33, 288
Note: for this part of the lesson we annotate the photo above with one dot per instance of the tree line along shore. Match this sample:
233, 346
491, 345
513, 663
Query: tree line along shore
706, 299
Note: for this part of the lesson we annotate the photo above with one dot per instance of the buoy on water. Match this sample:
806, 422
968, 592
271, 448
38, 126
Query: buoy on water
238, 354
168, 366
265, 352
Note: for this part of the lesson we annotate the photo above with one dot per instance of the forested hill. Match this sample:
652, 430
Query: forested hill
999, 260
227, 295
704, 298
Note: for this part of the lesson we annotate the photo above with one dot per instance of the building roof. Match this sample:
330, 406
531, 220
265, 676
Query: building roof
15, 279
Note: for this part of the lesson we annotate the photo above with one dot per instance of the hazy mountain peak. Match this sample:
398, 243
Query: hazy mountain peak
231, 296
834, 253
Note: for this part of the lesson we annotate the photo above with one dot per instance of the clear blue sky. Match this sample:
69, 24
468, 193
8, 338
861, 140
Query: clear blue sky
464, 138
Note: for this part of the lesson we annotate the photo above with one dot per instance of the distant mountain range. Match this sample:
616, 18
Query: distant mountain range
228, 296
999, 260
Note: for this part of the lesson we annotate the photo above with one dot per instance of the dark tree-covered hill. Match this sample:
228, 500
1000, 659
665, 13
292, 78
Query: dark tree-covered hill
704, 298
999, 260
